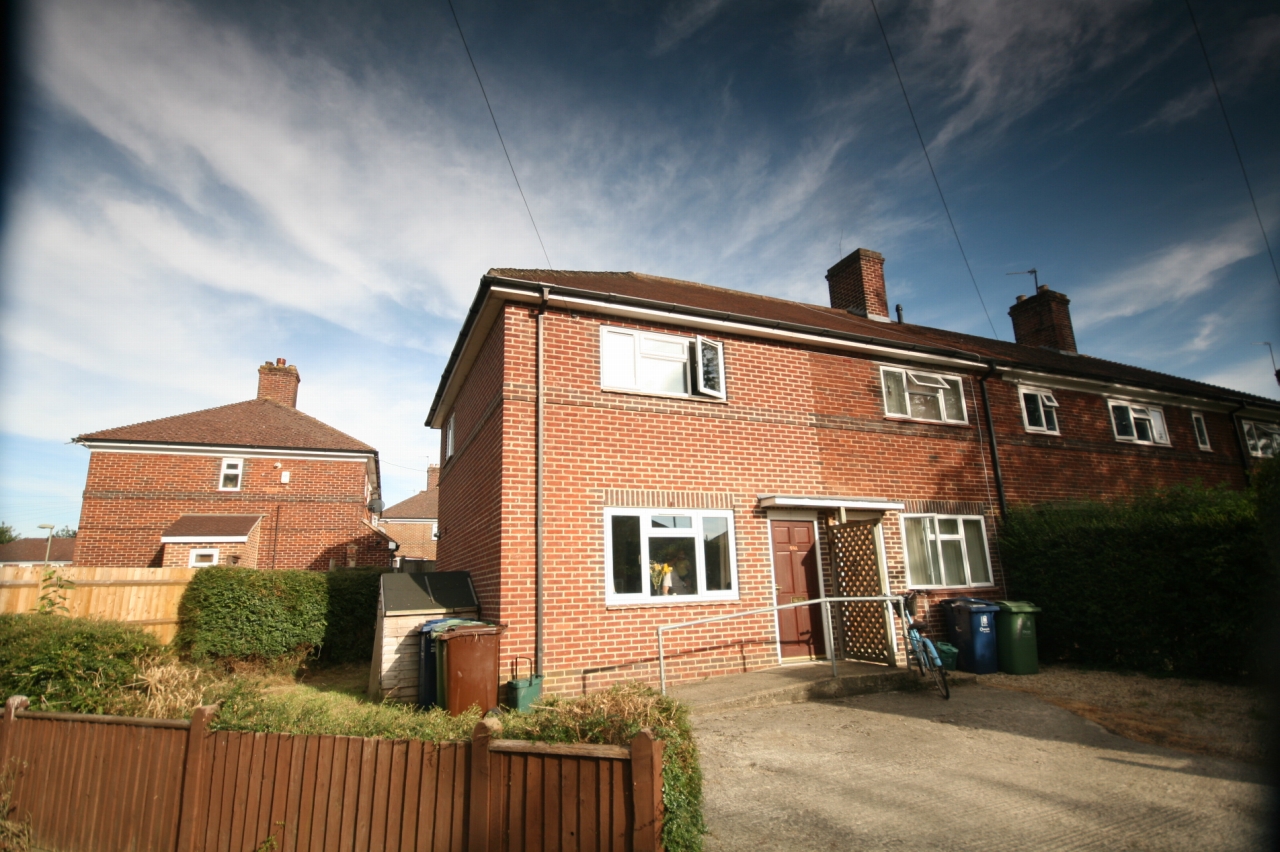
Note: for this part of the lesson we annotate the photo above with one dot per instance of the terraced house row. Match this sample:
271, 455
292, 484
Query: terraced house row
622, 451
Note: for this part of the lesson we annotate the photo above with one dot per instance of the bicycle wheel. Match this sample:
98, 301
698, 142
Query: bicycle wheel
936, 669
940, 681
915, 649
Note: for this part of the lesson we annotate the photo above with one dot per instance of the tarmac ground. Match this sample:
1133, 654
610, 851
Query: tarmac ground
989, 770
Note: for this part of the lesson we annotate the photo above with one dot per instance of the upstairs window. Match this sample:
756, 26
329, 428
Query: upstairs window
1202, 431
448, 438
665, 364
946, 551
231, 475
669, 556
1263, 439
1138, 424
1039, 411
923, 396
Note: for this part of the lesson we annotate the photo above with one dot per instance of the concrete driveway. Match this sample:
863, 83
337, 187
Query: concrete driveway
988, 770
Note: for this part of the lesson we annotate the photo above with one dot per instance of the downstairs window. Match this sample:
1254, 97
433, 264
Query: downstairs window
669, 556
946, 551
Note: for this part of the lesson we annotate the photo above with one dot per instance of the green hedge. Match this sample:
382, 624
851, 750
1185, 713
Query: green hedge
70, 664
1169, 582
243, 613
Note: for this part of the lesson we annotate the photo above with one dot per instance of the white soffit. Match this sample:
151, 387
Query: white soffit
788, 501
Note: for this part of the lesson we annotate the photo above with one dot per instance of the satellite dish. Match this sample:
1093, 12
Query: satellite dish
376, 505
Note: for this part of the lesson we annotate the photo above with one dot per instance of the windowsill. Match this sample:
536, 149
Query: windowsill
1042, 432
899, 419
1142, 443
950, 588
609, 605
687, 397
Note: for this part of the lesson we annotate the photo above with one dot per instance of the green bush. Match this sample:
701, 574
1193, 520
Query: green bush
352, 615
247, 614
71, 664
1165, 583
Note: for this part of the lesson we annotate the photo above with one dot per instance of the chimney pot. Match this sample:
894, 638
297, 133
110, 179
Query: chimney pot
279, 382
1044, 319
856, 285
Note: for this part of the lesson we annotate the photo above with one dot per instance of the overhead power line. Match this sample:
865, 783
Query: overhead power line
925, 149
499, 132
1239, 159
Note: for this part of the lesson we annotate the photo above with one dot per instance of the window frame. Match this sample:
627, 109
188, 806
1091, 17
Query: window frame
449, 436
694, 378
200, 551
1129, 406
648, 533
1252, 443
223, 472
1046, 400
960, 536
909, 374
1201, 427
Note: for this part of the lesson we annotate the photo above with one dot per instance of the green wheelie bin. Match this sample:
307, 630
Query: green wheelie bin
1016, 637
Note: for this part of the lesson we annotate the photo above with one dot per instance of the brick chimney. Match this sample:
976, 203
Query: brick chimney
1044, 320
279, 382
857, 285
433, 476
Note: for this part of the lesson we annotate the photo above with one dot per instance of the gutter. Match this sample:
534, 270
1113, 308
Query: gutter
991, 438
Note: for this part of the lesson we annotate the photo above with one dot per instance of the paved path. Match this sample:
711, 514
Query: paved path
989, 770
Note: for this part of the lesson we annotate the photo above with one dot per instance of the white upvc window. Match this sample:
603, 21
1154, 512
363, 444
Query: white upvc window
946, 551
666, 364
919, 395
1263, 439
231, 475
448, 438
669, 556
1138, 424
202, 557
1039, 410
1202, 431
435, 530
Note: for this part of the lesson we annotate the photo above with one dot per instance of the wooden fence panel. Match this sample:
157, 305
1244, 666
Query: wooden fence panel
147, 597
101, 784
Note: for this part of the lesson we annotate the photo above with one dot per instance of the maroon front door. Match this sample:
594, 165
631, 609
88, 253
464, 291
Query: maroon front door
795, 568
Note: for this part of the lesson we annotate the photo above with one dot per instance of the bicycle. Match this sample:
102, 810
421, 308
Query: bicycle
925, 654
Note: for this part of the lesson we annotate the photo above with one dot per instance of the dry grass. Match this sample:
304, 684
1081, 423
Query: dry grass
15, 834
1193, 715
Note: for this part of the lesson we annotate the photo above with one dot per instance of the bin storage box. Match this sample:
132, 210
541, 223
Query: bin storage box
405, 601
976, 626
1016, 637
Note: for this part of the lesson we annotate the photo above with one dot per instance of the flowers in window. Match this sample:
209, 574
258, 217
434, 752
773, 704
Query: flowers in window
660, 575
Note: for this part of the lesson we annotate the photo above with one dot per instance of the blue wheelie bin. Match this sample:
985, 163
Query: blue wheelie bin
953, 622
976, 626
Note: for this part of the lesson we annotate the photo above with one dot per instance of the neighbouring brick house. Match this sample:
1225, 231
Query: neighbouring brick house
413, 522
255, 483
706, 452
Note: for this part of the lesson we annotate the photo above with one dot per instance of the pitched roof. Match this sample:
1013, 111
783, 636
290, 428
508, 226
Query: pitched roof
424, 504
189, 526
256, 423
32, 550
674, 294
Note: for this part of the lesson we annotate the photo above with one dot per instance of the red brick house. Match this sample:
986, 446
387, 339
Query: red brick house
413, 523
622, 451
255, 483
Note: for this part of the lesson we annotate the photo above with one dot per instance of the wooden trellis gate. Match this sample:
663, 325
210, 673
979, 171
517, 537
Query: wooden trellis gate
864, 626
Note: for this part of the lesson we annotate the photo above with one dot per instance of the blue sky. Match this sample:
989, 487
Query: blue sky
204, 187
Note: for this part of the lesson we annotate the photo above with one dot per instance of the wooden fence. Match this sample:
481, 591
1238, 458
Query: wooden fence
147, 597
108, 783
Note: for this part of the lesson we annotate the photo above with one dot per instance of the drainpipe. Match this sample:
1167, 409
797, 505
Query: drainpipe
991, 437
538, 605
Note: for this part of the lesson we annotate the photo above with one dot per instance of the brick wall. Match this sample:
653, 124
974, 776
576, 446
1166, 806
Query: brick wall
130, 498
415, 539
796, 421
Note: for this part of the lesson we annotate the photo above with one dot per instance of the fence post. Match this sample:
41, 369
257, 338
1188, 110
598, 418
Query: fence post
646, 791
193, 777
11, 708
478, 833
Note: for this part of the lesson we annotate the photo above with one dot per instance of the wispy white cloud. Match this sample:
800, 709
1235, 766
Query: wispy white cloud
681, 19
1172, 275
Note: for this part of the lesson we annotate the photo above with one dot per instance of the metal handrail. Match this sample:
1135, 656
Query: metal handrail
826, 613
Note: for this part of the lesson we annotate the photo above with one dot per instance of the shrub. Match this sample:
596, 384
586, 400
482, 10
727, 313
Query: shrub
243, 613
1163, 583
71, 664
352, 615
